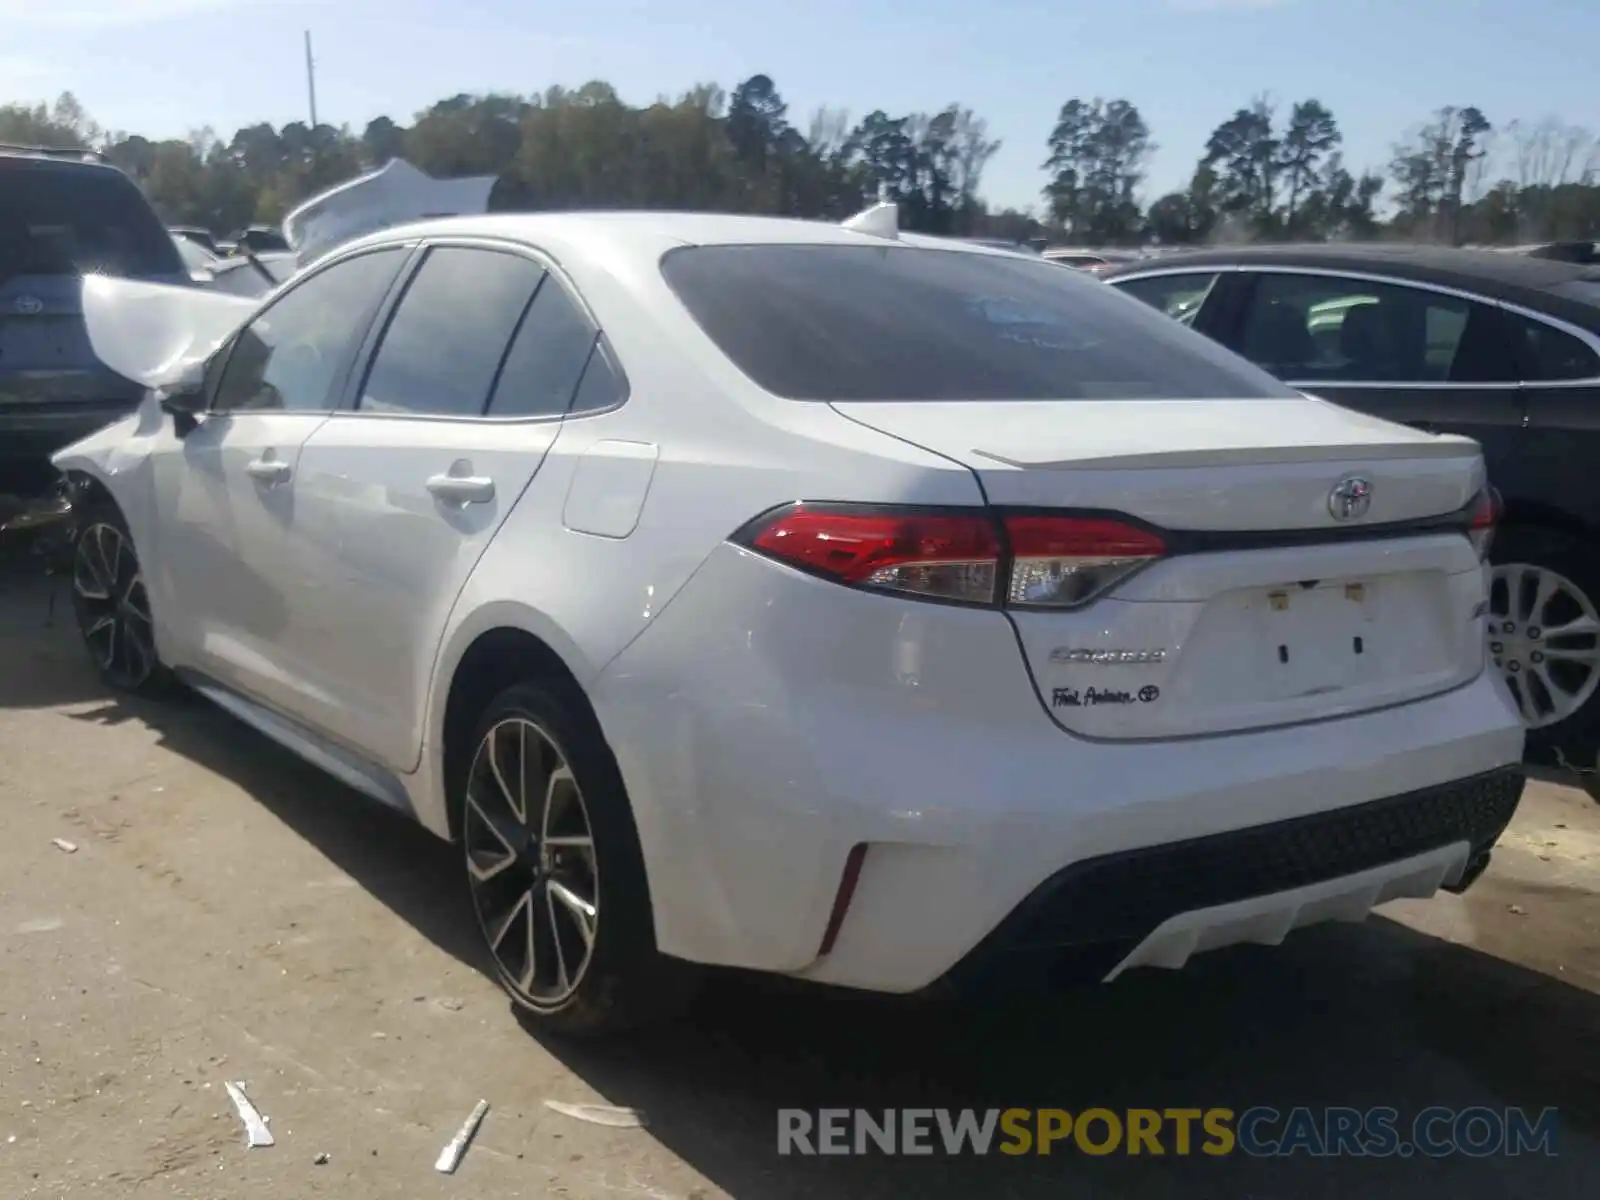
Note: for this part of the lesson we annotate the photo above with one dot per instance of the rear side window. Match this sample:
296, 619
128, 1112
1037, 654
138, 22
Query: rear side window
547, 357
1179, 296
57, 220
448, 336
603, 385
1550, 355
849, 322
1331, 329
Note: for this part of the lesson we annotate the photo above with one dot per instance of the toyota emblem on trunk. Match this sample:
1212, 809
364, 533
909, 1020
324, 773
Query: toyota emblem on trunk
1350, 498
29, 305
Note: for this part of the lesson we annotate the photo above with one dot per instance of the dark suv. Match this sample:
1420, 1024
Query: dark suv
64, 214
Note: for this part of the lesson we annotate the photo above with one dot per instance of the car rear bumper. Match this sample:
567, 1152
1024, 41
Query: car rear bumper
1159, 905
767, 723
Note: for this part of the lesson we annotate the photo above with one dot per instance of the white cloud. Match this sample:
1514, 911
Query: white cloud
1209, 6
89, 14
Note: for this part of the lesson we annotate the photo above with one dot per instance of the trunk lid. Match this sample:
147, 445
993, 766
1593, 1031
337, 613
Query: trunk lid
1267, 609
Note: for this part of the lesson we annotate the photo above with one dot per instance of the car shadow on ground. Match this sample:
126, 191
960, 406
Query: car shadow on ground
1372, 1015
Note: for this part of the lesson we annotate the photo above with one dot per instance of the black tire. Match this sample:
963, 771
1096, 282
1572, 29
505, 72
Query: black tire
1574, 739
625, 982
112, 606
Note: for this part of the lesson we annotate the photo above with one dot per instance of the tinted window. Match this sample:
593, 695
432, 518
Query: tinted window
1311, 328
73, 221
1548, 354
1179, 296
547, 357
603, 385
832, 322
449, 333
293, 355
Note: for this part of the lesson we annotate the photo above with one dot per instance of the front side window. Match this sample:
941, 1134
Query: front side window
449, 334
900, 323
292, 356
1326, 329
1179, 296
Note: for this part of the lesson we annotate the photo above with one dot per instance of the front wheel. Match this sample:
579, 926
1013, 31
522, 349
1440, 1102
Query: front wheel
1544, 637
112, 605
555, 871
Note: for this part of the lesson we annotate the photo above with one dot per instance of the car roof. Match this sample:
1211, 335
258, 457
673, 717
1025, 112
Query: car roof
65, 158
1515, 278
592, 235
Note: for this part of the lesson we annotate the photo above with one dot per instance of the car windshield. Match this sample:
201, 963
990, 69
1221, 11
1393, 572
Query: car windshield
842, 322
73, 222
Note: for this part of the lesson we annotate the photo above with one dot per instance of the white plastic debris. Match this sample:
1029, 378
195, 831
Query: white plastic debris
65, 846
450, 1157
255, 1126
599, 1114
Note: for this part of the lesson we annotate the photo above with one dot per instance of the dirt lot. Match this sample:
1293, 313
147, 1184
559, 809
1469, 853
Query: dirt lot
230, 914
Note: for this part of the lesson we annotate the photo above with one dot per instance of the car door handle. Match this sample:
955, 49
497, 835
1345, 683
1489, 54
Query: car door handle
267, 470
462, 489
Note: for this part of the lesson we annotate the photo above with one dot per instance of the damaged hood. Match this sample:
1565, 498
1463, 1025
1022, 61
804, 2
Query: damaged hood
392, 195
154, 333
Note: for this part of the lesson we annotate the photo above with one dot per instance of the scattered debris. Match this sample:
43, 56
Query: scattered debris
450, 1157
320, 1160
450, 1004
378, 1035
255, 1125
1516, 910
65, 846
599, 1114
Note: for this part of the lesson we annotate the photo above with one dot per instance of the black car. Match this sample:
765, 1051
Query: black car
1504, 348
64, 214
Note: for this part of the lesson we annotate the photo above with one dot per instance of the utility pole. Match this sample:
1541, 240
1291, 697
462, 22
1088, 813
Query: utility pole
311, 79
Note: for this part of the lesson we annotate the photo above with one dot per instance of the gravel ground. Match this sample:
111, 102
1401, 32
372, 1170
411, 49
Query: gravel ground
230, 914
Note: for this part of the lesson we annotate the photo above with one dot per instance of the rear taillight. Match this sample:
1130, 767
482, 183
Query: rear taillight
1485, 516
942, 556
1032, 561
1062, 562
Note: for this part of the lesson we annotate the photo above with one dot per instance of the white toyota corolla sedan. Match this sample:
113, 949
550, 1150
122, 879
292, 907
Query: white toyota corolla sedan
862, 607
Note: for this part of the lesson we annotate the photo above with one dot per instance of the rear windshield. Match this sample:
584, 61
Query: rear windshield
56, 221
832, 322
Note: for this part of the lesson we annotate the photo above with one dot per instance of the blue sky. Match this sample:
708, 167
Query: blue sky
162, 67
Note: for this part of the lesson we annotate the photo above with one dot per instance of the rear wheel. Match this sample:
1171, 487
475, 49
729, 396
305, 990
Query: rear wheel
554, 868
1544, 636
112, 605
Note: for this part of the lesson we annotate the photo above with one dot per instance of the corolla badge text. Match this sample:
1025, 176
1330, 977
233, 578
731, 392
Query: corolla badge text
1107, 658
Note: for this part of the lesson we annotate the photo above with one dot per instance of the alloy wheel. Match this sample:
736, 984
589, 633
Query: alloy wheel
531, 863
112, 605
1544, 636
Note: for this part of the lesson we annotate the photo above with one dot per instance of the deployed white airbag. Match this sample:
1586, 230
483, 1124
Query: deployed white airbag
155, 333
392, 195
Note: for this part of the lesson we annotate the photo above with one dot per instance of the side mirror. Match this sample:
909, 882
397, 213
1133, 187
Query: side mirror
186, 402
